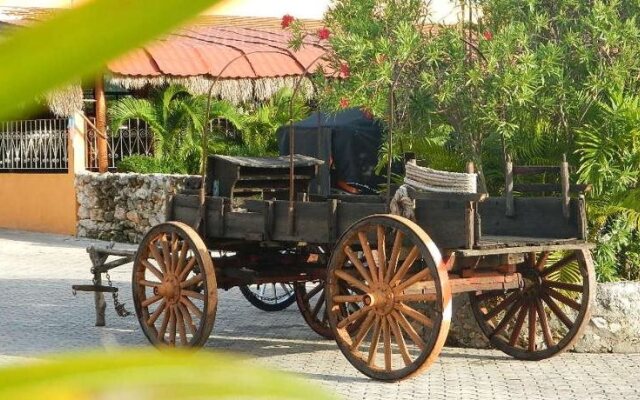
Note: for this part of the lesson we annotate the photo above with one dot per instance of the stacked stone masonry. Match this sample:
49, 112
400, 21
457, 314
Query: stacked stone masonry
123, 207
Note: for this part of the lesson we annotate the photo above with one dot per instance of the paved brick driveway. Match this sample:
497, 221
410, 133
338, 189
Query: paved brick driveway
38, 315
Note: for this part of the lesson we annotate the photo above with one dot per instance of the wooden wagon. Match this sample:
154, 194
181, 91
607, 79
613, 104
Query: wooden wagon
380, 284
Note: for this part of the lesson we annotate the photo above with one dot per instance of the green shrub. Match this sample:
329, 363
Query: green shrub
151, 165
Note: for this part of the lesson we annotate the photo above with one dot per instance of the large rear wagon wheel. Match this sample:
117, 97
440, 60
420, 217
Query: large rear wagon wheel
549, 314
401, 293
174, 286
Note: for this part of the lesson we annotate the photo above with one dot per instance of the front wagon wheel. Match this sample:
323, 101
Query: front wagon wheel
546, 316
174, 286
390, 311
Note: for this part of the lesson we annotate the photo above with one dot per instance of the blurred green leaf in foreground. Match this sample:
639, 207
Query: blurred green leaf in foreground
79, 42
150, 375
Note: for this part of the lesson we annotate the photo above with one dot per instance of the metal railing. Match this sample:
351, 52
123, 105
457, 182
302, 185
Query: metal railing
34, 145
132, 138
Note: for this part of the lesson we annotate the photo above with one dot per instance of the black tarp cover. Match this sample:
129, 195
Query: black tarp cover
349, 137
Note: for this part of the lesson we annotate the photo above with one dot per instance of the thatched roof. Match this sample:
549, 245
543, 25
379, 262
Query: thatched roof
198, 55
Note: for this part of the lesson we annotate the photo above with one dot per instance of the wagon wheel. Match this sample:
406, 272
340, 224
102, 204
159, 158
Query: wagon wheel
174, 286
310, 297
555, 302
403, 293
269, 296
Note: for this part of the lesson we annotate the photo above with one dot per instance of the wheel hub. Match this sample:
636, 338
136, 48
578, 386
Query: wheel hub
381, 299
170, 289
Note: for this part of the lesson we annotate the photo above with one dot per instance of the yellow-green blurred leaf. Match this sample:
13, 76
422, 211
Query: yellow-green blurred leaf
80, 41
150, 375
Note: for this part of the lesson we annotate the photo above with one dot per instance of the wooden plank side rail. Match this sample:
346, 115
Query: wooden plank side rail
478, 282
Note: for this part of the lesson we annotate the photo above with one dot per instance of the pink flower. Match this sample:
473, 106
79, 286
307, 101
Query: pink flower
344, 102
344, 70
488, 35
323, 33
286, 21
367, 113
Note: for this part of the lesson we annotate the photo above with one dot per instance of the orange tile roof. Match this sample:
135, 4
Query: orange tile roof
235, 47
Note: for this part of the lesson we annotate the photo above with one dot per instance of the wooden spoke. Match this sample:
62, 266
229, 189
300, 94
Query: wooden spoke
382, 253
507, 317
185, 272
313, 292
351, 318
318, 306
420, 276
165, 322
345, 276
172, 326
375, 339
174, 252
406, 326
354, 298
192, 281
414, 314
155, 271
356, 263
368, 255
182, 258
563, 299
144, 282
502, 306
402, 346
544, 324
560, 264
154, 317
188, 321
151, 300
181, 326
542, 305
513, 339
156, 256
387, 344
192, 307
542, 261
166, 252
395, 255
532, 327
557, 311
170, 251
193, 294
408, 262
362, 331
563, 286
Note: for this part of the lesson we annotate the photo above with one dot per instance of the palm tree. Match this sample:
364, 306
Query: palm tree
176, 119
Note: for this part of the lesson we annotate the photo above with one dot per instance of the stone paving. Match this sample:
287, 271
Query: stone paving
39, 315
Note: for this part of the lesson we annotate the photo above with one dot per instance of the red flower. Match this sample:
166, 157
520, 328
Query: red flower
344, 70
323, 33
488, 35
286, 21
344, 103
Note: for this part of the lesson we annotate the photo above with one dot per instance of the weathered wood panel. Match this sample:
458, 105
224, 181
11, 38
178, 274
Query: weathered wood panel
534, 217
311, 222
444, 221
244, 225
348, 213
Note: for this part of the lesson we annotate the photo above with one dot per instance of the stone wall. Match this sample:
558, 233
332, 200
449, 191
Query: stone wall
122, 207
614, 326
